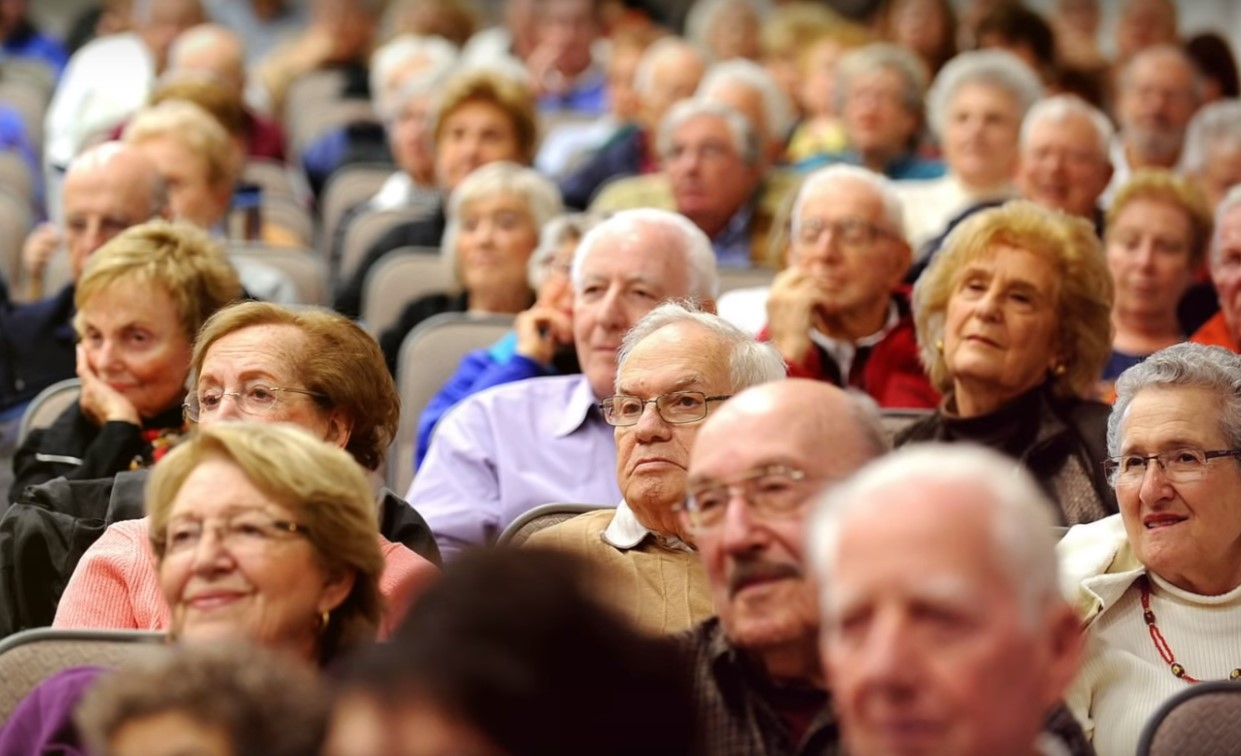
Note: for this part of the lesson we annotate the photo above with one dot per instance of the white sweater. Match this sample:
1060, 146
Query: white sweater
1124, 679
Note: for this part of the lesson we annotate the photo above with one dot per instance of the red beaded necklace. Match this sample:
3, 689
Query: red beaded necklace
1161, 645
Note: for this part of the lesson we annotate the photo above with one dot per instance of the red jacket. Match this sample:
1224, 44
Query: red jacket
890, 371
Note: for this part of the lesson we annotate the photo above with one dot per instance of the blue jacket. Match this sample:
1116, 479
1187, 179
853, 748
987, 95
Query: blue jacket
478, 370
36, 347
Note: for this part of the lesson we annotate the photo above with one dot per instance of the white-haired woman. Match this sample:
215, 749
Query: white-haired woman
1159, 584
975, 107
494, 220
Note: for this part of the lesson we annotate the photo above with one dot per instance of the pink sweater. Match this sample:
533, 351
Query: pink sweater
115, 586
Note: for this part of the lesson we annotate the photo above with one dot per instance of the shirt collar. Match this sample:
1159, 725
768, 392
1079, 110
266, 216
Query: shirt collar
732, 243
842, 351
581, 409
625, 532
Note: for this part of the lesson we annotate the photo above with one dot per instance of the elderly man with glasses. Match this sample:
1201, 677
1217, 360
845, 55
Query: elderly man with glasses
756, 464
835, 312
675, 367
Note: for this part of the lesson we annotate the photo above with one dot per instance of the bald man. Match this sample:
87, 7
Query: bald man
107, 81
757, 462
219, 54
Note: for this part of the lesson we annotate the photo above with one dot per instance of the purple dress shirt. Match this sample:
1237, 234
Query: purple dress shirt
506, 450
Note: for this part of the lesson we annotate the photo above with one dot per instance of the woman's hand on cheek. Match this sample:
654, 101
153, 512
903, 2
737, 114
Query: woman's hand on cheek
540, 330
98, 400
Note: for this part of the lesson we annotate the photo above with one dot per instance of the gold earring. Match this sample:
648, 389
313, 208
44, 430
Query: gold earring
324, 619
1060, 370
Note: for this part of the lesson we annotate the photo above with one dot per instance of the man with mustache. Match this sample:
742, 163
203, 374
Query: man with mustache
675, 368
757, 462
835, 313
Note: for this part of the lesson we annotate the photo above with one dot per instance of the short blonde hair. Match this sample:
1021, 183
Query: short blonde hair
179, 258
538, 195
322, 485
192, 127
498, 89
1165, 186
338, 360
1083, 296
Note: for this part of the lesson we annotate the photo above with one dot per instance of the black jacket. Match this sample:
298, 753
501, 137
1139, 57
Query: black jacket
1066, 446
77, 449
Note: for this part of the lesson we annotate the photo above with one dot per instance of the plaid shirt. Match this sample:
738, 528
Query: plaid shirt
735, 714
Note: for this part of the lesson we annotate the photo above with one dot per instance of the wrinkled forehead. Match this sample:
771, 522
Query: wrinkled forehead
254, 352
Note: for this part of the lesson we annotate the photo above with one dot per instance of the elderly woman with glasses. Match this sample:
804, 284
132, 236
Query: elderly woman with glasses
261, 532
140, 300
265, 363
1159, 585
1013, 321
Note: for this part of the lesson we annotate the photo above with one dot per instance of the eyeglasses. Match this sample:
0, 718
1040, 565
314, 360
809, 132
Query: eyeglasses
675, 407
241, 533
849, 233
771, 492
252, 400
1179, 465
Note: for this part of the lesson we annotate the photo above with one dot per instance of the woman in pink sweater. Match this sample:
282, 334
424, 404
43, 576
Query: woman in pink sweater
265, 363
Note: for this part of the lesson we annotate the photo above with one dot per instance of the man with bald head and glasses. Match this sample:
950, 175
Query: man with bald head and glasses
835, 312
757, 462
675, 368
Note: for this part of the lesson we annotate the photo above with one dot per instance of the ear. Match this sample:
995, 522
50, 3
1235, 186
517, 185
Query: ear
902, 258
339, 429
1066, 644
336, 590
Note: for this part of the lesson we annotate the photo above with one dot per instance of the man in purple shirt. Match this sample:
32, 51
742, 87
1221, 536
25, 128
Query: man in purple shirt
509, 449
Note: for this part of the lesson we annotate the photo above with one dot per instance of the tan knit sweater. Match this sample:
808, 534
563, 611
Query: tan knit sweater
664, 590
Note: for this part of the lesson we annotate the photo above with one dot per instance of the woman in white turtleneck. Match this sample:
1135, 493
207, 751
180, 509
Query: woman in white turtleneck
1168, 567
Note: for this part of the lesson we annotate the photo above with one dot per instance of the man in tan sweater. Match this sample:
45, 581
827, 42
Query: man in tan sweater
683, 362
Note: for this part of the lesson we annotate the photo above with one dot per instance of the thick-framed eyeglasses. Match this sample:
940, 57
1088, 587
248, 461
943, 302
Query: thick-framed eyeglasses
771, 492
241, 533
848, 233
675, 407
252, 400
1178, 465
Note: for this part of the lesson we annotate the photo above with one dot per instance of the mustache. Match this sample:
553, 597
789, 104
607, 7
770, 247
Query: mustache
754, 570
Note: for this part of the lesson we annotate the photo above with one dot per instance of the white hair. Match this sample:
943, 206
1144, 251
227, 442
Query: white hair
1214, 126
886, 56
703, 14
750, 361
1059, 108
673, 231
744, 137
993, 68
1212, 369
664, 47
440, 54
1022, 524
1226, 205
537, 192
778, 113
893, 210
555, 233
